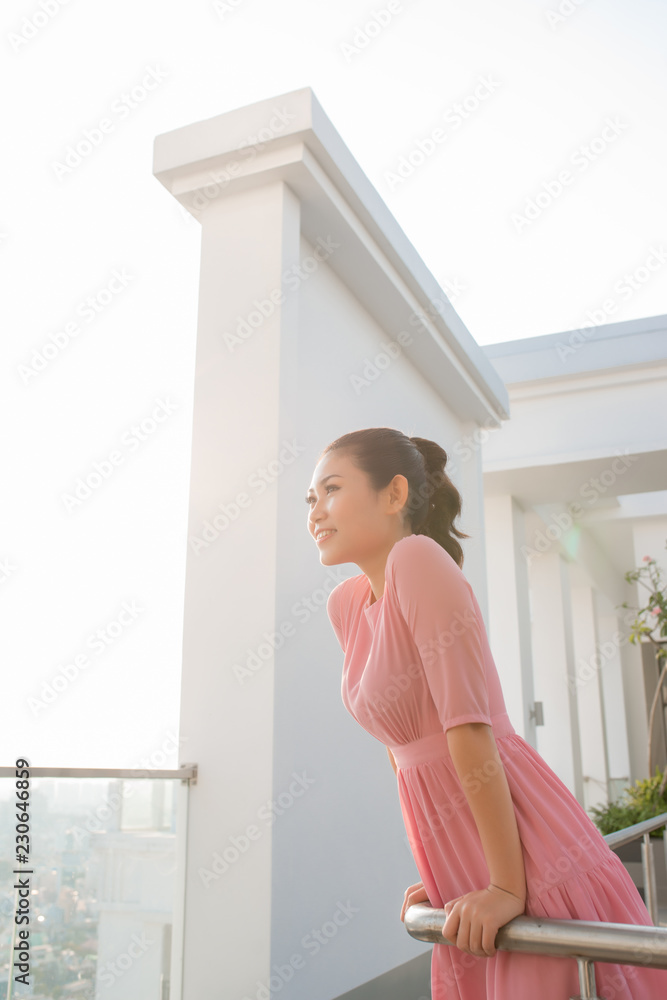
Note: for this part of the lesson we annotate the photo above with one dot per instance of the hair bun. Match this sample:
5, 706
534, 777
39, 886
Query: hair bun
435, 457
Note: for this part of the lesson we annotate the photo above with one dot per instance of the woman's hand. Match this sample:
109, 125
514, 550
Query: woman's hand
414, 894
473, 920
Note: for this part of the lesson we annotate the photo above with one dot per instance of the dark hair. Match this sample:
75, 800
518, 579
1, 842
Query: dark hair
433, 501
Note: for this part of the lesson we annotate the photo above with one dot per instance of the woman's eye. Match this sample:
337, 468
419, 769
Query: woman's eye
309, 500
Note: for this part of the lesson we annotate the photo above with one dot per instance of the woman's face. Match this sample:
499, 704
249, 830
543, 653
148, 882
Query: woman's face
361, 521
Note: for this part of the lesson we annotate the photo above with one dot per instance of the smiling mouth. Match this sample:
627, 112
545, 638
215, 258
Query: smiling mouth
322, 538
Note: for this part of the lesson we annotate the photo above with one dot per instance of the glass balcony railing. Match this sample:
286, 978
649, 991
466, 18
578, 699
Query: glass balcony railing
102, 890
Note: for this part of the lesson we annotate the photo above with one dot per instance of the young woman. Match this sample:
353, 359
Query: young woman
493, 831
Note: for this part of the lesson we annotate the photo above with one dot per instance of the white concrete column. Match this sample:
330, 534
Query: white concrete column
588, 693
648, 539
558, 740
470, 483
247, 243
509, 609
610, 640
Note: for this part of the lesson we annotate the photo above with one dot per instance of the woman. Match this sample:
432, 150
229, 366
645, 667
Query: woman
493, 831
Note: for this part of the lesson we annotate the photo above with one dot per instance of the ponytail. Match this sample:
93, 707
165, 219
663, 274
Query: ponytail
443, 505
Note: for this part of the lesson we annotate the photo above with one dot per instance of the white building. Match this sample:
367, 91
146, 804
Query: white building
316, 317
575, 489
133, 874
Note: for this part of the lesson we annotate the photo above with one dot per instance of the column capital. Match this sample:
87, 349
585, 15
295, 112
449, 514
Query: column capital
289, 138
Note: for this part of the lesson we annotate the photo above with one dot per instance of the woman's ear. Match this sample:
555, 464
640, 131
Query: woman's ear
398, 491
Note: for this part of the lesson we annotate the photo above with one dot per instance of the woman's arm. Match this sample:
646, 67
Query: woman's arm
477, 762
477, 916
446, 624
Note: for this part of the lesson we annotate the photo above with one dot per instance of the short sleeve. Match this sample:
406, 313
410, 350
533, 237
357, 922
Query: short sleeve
437, 603
334, 612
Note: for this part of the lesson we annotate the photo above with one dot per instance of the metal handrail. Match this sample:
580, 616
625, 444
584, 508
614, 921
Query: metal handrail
584, 940
622, 837
188, 772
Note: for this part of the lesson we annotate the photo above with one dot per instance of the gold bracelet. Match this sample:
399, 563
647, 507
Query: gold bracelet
507, 891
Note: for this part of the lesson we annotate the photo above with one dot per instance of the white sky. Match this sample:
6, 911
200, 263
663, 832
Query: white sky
554, 87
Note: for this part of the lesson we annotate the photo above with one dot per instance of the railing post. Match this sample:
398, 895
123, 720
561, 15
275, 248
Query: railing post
650, 887
586, 981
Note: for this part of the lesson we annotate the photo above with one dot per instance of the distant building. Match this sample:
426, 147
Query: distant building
575, 488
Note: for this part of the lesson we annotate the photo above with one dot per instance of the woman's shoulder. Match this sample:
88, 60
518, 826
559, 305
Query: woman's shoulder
347, 590
417, 565
422, 550
426, 583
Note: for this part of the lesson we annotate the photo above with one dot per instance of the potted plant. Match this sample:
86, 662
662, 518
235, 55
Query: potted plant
641, 801
651, 624
647, 797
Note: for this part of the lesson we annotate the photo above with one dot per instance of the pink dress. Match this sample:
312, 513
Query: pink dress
418, 662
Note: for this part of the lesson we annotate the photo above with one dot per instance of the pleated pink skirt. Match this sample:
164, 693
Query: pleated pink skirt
571, 874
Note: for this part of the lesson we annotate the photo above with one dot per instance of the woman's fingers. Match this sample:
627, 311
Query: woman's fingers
489, 941
463, 927
414, 894
451, 925
410, 889
473, 920
475, 934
